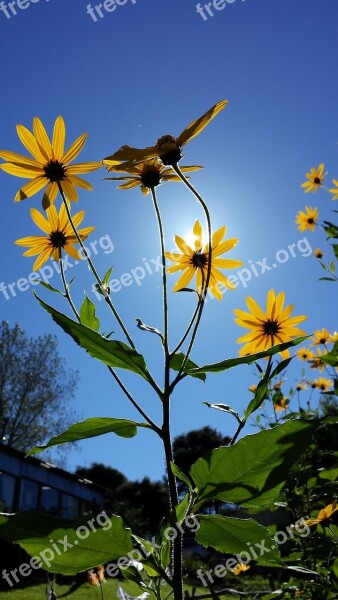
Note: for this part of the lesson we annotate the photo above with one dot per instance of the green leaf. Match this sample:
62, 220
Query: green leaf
331, 358
233, 536
257, 401
50, 288
110, 352
107, 277
252, 472
246, 360
176, 362
182, 509
87, 315
92, 428
178, 473
45, 536
335, 250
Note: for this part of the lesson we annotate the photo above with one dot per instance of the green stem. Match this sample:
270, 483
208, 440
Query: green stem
164, 274
204, 290
177, 573
153, 425
67, 293
92, 267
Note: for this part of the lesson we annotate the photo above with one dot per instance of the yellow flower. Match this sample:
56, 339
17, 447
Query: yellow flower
322, 383
167, 148
334, 190
50, 166
318, 253
301, 386
277, 386
147, 174
334, 337
305, 354
315, 179
324, 515
60, 235
274, 326
316, 362
240, 568
253, 388
307, 220
320, 336
96, 576
195, 261
282, 404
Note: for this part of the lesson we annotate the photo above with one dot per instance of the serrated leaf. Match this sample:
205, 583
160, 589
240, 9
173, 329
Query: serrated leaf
87, 315
110, 352
176, 362
92, 427
252, 472
37, 533
229, 363
233, 536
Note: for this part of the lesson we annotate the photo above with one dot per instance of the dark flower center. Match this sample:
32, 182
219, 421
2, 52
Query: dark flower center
54, 170
317, 180
151, 176
271, 328
322, 341
168, 150
58, 239
310, 221
199, 260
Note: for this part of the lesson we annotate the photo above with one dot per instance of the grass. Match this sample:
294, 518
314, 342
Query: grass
79, 591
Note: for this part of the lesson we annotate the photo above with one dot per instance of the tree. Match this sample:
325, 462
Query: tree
142, 502
35, 388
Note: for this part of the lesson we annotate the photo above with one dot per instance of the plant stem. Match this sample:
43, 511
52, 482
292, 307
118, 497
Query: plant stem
177, 575
153, 425
67, 293
164, 274
204, 290
92, 267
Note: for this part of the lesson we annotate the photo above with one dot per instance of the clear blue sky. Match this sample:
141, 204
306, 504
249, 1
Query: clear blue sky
143, 70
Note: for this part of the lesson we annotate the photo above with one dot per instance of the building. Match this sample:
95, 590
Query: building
27, 483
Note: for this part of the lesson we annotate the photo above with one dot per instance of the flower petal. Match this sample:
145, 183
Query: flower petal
197, 126
59, 136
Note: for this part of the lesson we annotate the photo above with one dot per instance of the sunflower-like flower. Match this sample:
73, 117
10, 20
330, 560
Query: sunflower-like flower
274, 326
194, 261
323, 384
315, 179
324, 515
148, 174
50, 166
308, 219
320, 337
252, 388
96, 576
305, 354
60, 235
318, 253
301, 386
167, 147
334, 191
281, 404
334, 337
240, 568
316, 362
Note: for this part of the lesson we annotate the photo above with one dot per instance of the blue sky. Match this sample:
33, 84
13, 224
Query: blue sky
143, 70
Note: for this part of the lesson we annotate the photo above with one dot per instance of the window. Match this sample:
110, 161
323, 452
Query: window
70, 507
49, 500
7, 492
29, 491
